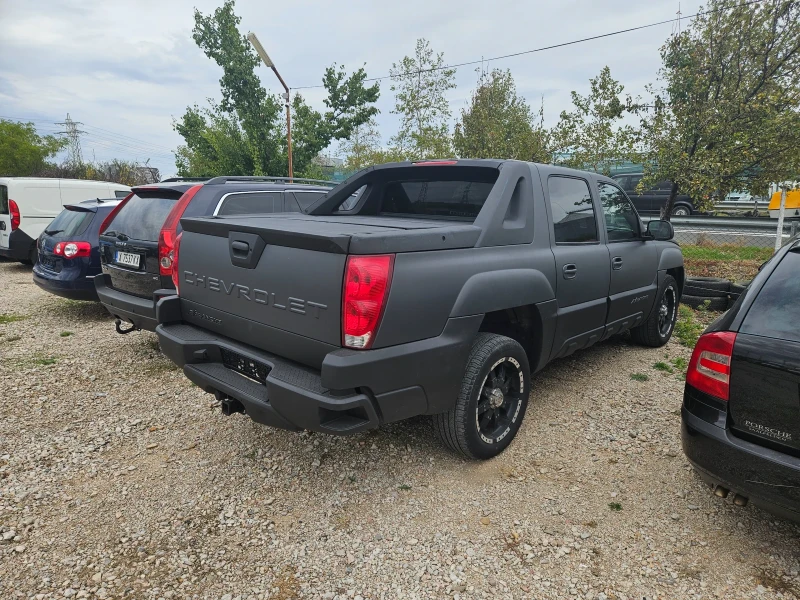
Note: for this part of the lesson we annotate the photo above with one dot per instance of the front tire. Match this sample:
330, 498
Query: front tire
658, 328
493, 399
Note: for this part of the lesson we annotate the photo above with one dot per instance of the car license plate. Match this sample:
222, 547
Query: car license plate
127, 259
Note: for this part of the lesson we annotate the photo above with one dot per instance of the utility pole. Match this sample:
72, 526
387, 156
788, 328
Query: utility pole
74, 154
251, 37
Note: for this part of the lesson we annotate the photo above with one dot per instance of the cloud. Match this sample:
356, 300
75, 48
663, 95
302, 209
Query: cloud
126, 69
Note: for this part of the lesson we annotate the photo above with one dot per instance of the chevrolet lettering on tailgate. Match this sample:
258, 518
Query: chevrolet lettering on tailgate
243, 292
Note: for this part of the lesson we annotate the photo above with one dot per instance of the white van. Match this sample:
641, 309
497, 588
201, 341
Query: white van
28, 204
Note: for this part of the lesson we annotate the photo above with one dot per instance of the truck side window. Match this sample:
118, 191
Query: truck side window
574, 220
622, 222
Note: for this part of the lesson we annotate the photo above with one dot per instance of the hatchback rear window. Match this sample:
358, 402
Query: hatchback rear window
70, 223
774, 312
459, 199
142, 217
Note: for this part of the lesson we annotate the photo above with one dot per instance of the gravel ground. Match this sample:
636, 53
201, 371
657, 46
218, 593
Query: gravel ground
118, 478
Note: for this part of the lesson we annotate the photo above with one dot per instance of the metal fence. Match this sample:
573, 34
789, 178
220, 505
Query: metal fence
734, 232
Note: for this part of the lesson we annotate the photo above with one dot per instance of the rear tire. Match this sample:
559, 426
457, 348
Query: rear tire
492, 402
658, 328
681, 211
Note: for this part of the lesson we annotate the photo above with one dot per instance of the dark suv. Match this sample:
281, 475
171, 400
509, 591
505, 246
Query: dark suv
138, 238
653, 199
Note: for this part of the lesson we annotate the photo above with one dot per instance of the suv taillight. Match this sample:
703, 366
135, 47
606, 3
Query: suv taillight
710, 367
174, 257
72, 249
113, 213
166, 237
366, 288
13, 210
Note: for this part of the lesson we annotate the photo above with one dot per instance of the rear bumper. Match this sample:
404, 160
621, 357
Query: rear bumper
770, 479
19, 246
70, 284
140, 312
354, 391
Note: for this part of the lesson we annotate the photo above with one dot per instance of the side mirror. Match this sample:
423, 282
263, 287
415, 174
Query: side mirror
660, 230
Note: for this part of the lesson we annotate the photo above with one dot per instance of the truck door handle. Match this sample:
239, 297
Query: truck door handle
570, 271
616, 263
240, 248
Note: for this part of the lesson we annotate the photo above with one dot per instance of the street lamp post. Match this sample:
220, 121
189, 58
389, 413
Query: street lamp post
251, 37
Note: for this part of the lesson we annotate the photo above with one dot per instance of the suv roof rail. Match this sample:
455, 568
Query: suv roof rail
243, 178
174, 179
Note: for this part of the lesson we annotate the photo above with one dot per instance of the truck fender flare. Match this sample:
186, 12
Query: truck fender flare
671, 258
498, 290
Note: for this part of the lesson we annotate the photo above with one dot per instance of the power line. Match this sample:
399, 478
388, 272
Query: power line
543, 48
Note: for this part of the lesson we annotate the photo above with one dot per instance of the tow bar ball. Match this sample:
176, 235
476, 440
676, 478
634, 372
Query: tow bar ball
723, 492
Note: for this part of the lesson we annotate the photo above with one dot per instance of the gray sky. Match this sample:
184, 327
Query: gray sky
125, 69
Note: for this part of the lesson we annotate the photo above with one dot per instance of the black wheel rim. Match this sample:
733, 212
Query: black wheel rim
500, 400
666, 311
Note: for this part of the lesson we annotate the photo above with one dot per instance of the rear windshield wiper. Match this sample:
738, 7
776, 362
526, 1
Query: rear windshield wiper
116, 234
53, 231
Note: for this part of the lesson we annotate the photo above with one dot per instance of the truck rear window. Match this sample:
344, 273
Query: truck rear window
142, 217
455, 199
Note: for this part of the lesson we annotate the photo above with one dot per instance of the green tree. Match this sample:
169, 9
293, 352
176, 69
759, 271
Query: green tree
500, 124
594, 135
726, 113
420, 84
249, 123
362, 147
23, 152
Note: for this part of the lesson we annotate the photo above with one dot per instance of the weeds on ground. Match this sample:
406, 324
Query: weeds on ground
65, 333
688, 329
5, 319
726, 252
44, 361
404, 487
615, 506
662, 366
639, 377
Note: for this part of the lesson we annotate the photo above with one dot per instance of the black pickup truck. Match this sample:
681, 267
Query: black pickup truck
434, 288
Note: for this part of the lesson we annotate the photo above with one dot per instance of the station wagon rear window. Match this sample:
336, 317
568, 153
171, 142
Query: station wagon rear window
70, 222
142, 217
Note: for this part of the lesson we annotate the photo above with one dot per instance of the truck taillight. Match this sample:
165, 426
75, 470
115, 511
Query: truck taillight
113, 213
710, 367
72, 249
166, 237
366, 288
13, 210
173, 255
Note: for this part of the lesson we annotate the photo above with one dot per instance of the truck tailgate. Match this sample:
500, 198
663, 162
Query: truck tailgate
293, 289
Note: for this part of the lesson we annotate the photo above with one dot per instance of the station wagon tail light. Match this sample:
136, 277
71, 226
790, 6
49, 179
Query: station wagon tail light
72, 249
113, 213
366, 288
710, 367
166, 238
173, 255
13, 210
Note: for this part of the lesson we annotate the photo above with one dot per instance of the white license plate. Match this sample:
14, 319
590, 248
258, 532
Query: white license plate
127, 259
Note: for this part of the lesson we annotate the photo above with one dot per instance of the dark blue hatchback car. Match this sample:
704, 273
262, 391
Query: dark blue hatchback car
68, 250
